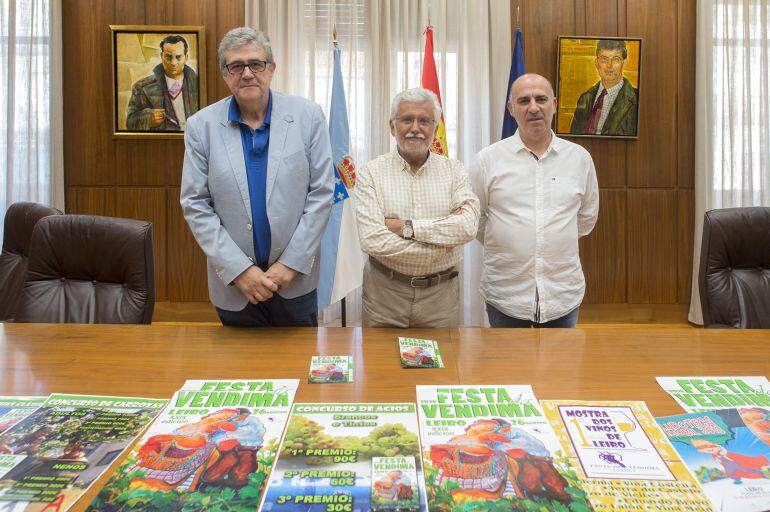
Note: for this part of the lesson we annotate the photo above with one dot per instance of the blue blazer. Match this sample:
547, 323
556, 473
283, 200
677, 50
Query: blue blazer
215, 194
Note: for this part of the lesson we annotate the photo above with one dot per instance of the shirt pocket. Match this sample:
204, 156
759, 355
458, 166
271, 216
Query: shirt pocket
564, 193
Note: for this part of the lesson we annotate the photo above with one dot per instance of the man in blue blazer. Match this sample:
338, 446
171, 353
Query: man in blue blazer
257, 187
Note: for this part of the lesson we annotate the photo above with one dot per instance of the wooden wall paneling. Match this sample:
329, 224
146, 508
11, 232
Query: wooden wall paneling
186, 264
148, 162
686, 224
609, 158
603, 251
148, 204
159, 12
130, 12
652, 241
89, 158
651, 159
601, 17
91, 201
685, 115
544, 22
230, 14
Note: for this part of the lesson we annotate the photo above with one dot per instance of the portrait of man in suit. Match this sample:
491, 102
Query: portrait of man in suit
163, 100
598, 87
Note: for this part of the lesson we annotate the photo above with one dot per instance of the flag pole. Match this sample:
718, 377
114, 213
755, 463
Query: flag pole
343, 313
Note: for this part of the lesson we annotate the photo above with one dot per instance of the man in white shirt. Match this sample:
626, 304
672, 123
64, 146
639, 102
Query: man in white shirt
538, 194
415, 210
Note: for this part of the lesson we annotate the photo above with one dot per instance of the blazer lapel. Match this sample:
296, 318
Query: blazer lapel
231, 136
279, 128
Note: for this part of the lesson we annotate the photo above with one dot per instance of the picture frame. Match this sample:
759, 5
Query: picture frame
590, 69
158, 79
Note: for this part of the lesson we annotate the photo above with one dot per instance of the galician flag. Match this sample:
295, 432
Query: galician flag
430, 82
342, 262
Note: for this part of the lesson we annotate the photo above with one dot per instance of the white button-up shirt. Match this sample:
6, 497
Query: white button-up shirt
532, 214
387, 188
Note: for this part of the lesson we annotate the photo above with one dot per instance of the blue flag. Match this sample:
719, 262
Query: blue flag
517, 69
342, 262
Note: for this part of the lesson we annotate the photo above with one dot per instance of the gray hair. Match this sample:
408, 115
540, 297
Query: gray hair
612, 45
416, 95
242, 36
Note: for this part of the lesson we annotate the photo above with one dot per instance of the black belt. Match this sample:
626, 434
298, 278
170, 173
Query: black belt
416, 281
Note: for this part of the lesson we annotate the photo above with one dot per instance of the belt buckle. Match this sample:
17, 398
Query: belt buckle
422, 284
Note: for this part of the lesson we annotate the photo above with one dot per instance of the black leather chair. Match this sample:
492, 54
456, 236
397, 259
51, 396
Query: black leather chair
88, 269
734, 277
20, 219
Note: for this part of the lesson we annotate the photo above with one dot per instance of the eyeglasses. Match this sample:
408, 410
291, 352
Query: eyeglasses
614, 60
237, 68
424, 122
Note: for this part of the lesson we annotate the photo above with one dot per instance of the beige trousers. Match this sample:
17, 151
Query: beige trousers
391, 303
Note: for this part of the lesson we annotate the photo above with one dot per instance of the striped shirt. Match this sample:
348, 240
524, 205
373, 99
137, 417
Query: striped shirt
386, 188
609, 99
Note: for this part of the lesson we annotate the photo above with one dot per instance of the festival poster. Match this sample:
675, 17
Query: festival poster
731, 464
212, 448
623, 458
394, 484
329, 369
326, 459
696, 394
13, 409
491, 448
419, 353
51, 457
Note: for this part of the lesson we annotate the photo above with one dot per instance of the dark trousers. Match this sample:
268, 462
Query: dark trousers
300, 311
499, 319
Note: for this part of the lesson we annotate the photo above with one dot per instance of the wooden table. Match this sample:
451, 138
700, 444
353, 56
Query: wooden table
595, 363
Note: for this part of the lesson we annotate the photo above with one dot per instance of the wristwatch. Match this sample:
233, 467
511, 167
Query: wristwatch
408, 230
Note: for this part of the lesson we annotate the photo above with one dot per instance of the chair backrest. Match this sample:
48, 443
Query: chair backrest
89, 269
20, 219
734, 277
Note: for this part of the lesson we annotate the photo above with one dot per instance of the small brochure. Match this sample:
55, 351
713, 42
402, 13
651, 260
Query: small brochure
623, 458
730, 462
13, 409
419, 353
332, 452
212, 448
695, 394
50, 458
394, 484
328, 369
489, 447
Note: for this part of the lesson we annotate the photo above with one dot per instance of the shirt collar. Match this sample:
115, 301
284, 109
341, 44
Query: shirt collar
518, 144
234, 113
170, 81
614, 88
405, 165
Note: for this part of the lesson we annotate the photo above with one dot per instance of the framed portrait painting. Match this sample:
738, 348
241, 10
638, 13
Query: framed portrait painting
159, 79
597, 87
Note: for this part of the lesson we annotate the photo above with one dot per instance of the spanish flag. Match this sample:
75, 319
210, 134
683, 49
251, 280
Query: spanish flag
430, 82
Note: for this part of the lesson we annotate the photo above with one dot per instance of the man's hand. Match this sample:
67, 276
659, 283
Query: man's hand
280, 274
395, 226
255, 285
157, 117
457, 211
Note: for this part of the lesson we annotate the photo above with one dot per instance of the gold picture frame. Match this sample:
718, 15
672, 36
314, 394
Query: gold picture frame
158, 79
586, 67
